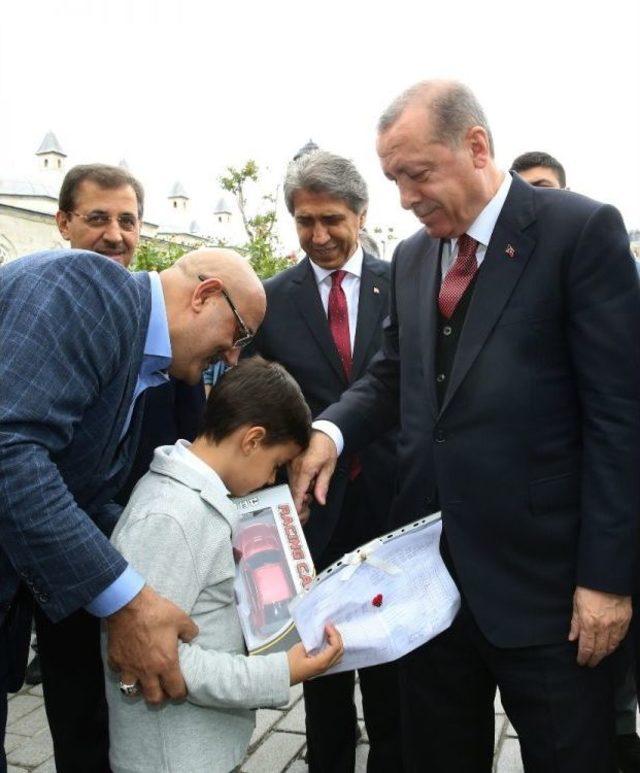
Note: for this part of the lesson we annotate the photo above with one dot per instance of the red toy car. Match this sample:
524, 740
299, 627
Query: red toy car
266, 577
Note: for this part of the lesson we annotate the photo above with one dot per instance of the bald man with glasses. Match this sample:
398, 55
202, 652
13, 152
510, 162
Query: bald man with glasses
100, 210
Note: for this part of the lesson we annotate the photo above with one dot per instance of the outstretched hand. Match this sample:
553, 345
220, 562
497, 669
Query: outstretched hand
313, 469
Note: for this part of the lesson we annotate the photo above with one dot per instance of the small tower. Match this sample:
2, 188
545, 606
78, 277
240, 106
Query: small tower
222, 213
178, 199
51, 154
305, 149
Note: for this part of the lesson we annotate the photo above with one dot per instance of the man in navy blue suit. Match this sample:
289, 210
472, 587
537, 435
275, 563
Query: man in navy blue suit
324, 324
511, 361
100, 209
81, 342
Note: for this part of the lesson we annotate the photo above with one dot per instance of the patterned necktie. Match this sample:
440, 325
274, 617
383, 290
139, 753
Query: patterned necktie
338, 315
459, 276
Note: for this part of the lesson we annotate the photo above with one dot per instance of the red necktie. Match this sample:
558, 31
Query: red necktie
459, 276
338, 315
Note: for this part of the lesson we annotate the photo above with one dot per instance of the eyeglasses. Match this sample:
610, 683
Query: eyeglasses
245, 330
126, 222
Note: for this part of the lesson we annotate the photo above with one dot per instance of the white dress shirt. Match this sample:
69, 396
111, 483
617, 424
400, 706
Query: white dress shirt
481, 230
350, 285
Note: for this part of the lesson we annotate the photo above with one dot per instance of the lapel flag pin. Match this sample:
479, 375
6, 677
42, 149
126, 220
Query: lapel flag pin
376, 291
510, 251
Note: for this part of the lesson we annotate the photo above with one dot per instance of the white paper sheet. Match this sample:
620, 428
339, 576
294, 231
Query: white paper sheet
386, 598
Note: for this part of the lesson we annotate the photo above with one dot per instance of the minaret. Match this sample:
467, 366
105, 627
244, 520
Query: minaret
178, 199
222, 213
51, 154
305, 149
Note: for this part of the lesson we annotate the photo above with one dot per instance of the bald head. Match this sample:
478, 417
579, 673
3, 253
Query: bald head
213, 299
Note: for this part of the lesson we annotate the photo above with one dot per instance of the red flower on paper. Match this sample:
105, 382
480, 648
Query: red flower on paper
377, 600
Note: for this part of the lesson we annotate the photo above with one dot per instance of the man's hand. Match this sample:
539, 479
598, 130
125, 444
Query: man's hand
143, 644
317, 464
599, 623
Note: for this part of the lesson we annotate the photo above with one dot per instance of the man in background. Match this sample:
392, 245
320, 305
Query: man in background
324, 323
540, 170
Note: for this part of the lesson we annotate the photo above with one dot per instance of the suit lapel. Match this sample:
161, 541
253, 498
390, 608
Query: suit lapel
428, 319
372, 303
505, 259
306, 298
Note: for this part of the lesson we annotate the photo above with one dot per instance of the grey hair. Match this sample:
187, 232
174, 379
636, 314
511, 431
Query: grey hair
324, 172
453, 105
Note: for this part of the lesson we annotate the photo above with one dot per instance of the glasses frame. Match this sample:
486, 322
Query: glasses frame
135, 225
247, 333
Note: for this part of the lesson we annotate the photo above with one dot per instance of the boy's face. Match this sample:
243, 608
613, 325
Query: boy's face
261, 468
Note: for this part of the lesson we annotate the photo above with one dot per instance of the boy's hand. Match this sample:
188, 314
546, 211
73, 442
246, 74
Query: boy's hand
303, 666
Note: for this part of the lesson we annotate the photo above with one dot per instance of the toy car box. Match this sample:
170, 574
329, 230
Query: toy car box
273, 565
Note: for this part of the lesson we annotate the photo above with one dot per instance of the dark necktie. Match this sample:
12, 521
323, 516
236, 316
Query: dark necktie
338, 315
459, 277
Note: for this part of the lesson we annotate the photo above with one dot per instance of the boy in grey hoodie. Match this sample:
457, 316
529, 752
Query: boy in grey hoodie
176, 531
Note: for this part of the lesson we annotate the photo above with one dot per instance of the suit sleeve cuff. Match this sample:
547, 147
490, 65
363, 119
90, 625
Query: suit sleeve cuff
117, 595
332, 430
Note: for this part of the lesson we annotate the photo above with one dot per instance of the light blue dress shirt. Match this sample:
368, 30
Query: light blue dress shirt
156, 358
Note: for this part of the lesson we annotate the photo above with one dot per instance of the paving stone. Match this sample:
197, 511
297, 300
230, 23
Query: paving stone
293, 721
13, 769
362, 753
36, 690
364, 738
265, 720
358, 701
295, 693
20, 705
499, 727
497, 704
31, 723
47, 767
509, 760
33, 752
277, 751
298, 766
511, 733
11, 741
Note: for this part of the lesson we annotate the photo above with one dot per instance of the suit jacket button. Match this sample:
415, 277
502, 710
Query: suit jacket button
440, 436
440, 378
447, 329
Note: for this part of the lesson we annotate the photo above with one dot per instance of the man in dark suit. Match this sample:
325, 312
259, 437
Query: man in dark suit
81, 341
100, 210
511, 361
324, 323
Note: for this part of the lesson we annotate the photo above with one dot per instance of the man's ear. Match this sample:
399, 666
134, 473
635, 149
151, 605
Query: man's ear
204, 291
62, 221
363, 218
478, 143
252, 439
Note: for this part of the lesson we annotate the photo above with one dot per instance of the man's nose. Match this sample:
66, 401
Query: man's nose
231, 357
408, 195
112, 231
320, 234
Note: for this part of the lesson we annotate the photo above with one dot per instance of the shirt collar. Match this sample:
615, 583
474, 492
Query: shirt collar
157, 345
482, 227
352, 266
216, 492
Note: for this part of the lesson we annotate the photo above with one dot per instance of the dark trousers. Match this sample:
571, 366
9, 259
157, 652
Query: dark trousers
329, 700
331, 720
562, 712
4, 689
74, 696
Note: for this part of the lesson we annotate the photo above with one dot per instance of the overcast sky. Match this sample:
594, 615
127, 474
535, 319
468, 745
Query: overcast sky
183, 88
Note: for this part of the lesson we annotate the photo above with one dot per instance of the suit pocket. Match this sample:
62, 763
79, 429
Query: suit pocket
561, 492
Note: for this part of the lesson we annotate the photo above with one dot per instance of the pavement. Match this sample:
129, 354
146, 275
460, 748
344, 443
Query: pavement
277, 745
